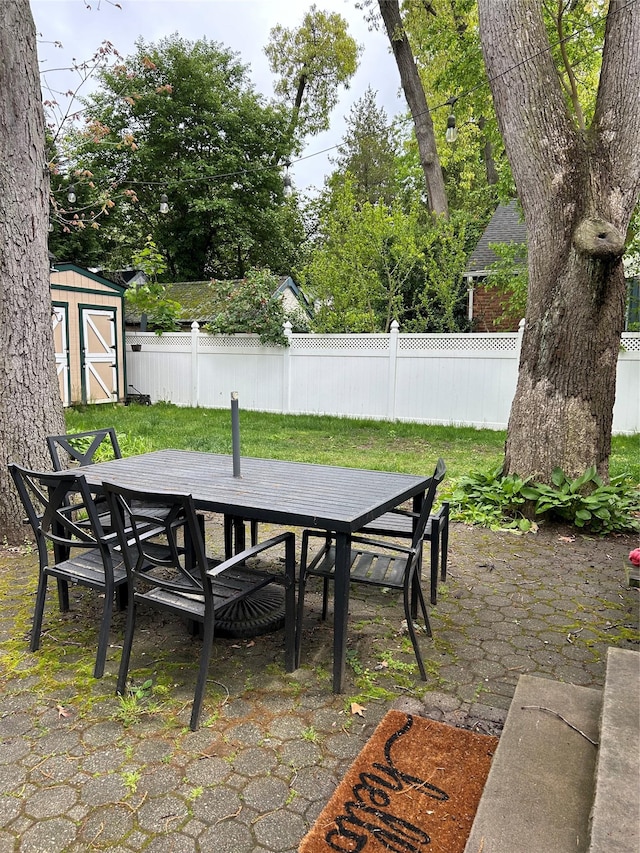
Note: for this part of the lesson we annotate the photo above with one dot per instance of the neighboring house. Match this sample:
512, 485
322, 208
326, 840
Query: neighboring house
632, 274
485, 303
88, 331
127, 278
199, 300
485, 306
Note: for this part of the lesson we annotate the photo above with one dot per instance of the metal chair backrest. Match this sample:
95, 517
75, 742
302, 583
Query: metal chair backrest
81, 448
427, 504
149, 540
60, 509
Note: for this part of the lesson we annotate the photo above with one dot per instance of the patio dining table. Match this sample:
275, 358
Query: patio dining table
293, 494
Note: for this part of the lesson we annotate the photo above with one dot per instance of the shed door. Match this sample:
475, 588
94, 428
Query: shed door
61, 344
100, 373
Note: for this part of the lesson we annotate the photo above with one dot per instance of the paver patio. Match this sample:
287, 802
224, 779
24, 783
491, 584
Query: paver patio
272, 746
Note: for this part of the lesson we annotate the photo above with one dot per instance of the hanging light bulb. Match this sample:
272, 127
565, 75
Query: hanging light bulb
452, 131
71, 194
164, 203
286, 181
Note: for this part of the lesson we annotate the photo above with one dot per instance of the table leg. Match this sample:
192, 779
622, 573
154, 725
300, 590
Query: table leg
290, 605
341, 609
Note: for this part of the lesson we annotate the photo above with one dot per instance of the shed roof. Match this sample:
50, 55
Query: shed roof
505, 226
88, 274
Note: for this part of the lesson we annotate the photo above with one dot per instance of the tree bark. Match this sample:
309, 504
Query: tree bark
30, 403
578, 191
414, 93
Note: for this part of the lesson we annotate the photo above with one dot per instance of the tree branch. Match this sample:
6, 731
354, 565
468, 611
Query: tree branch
560, 717
617, 118
533, 117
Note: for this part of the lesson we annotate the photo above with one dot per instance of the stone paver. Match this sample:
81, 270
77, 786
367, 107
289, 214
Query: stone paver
80, 769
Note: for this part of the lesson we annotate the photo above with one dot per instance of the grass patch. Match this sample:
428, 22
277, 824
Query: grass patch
378, 445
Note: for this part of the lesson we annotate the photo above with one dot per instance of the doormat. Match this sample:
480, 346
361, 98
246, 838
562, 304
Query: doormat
414, 787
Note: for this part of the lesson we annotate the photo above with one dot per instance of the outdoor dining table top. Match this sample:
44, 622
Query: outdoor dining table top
295, 494
292, 493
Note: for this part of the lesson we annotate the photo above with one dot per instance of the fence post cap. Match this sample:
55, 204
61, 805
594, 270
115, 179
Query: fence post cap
195, 326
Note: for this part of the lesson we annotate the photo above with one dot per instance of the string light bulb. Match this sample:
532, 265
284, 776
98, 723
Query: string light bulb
452, 131
164, 203
286, 180
71, 194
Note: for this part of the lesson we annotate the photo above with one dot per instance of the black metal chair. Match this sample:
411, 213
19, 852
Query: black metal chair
198, 588
399, 523
62, 513
387, 565
100, 445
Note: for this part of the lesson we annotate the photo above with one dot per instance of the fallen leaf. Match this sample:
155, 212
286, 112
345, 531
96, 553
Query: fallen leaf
567, 538
62, 712
357, 709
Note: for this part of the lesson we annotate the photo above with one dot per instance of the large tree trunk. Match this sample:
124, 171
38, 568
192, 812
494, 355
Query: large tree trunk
414, 93
578, 191
30, 404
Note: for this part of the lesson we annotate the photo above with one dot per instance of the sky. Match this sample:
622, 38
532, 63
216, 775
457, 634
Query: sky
81, 26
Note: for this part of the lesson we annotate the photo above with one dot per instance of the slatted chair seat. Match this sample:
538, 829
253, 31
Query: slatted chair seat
187, 582
226, 588
399, 523
375, 563
88, 570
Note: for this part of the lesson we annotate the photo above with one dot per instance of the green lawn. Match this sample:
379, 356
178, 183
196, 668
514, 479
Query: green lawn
411, 448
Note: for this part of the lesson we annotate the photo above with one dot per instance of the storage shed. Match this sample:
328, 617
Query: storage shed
88, 330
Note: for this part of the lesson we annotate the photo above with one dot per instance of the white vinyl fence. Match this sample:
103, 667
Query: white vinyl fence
460, 379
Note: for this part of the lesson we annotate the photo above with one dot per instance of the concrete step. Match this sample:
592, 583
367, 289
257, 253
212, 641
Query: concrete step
540, 788
615, 819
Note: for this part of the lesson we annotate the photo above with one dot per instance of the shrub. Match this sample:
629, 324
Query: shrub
509, 501
249, 306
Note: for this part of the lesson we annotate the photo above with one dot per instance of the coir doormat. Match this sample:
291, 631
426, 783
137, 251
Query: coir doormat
414, 787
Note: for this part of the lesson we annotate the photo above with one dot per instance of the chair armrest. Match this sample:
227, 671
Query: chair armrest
250, 552
376, 543
442, 512
361, 540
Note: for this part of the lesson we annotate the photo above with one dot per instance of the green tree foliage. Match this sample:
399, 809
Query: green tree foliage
377, 263
311, 63
440, 296
181, 118
368, 153
149, 299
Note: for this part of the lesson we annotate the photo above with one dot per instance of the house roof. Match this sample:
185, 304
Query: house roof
506, 226
125, 277
199, 299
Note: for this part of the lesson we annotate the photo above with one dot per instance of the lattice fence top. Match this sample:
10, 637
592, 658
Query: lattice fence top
502, 342
340, 342
630, 341
505, 342
238, 342
179, 340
